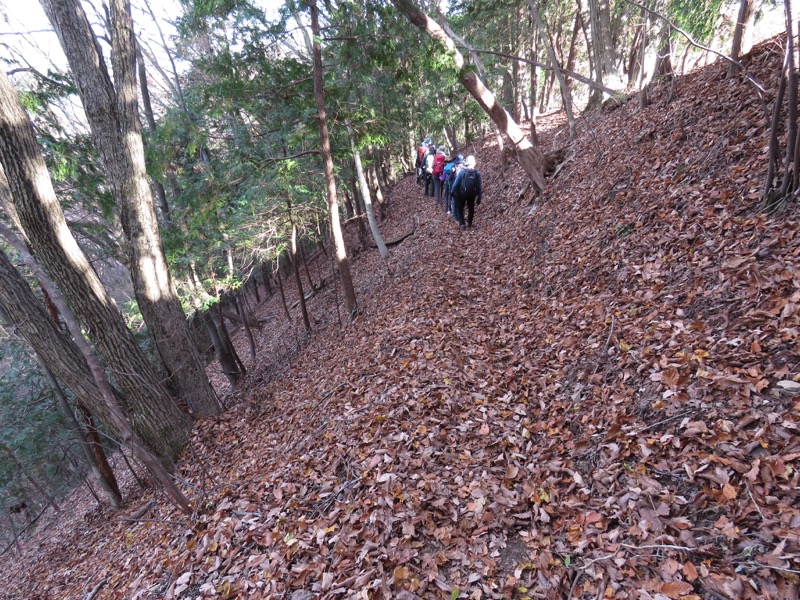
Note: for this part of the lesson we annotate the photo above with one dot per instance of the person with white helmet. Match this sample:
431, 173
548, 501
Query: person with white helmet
467, 191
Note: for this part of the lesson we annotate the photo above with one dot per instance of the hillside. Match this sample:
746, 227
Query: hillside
589, 396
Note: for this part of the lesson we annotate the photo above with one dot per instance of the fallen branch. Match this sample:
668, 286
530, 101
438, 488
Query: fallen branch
228, 314
96, 589
402, 237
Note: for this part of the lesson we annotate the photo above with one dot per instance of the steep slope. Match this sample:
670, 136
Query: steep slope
592, 396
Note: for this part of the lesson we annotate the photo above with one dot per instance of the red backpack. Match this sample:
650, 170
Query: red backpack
438, 164
421, 151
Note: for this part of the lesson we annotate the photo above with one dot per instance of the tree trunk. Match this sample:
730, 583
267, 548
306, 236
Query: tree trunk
296, 265
333, 202
96, 447
362, 182
266, 276
161, 193
245, 323
283, 295
91, 451
528, 156
743, 22
305, 268
109, 404
114, 121
562, 82
159, 421
663, 66
223, 356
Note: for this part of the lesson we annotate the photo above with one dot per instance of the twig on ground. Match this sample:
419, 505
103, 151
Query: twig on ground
96, 589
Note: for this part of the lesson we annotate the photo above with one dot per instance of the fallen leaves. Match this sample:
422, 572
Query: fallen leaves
600, 399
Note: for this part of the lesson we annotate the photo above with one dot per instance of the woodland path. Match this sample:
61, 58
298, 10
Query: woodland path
593, 401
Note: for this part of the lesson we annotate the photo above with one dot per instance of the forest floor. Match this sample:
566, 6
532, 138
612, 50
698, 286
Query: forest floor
591, 394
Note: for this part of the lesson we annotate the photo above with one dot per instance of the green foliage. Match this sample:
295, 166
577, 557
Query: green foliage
698, 17
30, 426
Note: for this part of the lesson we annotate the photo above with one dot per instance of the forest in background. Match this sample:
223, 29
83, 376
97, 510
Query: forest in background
238, 182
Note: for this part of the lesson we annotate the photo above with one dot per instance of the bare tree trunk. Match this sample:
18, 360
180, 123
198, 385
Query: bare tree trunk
333, 202
225, 359
161, 193
743, 21
303, 257
161, 423
566, 95
296, 265
283, 295
107, 480
528, 156
266, 277
114, 120
362, 182
245, 323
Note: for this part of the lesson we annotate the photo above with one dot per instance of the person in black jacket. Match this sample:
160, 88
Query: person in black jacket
467, 191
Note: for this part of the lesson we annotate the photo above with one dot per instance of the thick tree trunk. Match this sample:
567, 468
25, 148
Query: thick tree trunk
160, 422
333, 202
528, 156
114, 120
362, 182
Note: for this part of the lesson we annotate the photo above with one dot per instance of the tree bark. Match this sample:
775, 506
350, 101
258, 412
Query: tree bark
225, 358
333, 202
114, 121
566, 95
92, 452
161, 193
283, 295
743, 21
362, 182
528, 156
159, 421
296, 265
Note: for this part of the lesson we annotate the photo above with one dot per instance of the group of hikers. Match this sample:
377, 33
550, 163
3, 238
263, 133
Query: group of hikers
454, 182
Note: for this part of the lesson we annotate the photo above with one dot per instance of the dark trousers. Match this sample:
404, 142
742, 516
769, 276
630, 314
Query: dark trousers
469, 203
428, 184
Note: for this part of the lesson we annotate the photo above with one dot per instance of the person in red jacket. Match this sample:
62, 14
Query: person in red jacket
438, 168
422, 150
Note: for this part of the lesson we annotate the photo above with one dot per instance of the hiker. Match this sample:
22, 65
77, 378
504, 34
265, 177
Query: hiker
450, 171
419, 163
467, 190
438, 169
429, 170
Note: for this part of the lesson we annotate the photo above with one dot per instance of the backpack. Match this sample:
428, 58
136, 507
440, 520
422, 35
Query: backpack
421, 151
451, 176
438, 164
469, 183
447, 171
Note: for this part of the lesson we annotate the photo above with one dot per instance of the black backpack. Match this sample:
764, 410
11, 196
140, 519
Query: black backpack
469, 183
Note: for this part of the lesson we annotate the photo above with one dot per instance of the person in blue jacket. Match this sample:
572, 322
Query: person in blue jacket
450, 171
467, 191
